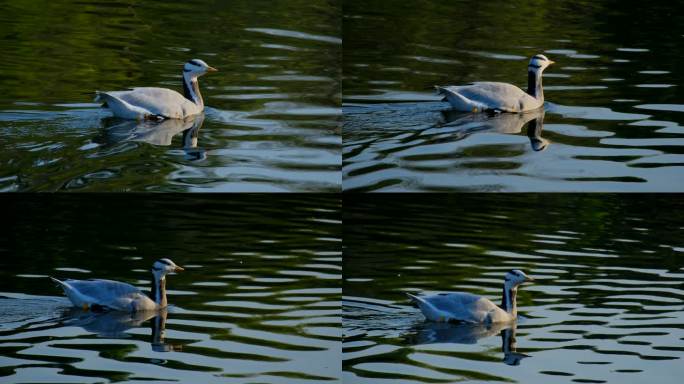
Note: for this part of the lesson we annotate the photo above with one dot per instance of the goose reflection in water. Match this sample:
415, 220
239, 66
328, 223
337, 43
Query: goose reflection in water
432, 332
158, 133
509, 123
114, 324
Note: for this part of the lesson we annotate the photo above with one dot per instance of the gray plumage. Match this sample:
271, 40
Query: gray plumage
147, 102
108, 294
501, 97
459, 307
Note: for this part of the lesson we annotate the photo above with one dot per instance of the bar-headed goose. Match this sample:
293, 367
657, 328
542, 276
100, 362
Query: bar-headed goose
500, 97
99, 294
469, 308
159, 103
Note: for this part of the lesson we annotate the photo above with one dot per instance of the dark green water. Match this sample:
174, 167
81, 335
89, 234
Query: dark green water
272, 121
258, 302
607, 306
614, 98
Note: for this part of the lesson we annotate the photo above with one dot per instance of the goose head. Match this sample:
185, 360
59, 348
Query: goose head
516, 277
164, 266
197, 67
538, 63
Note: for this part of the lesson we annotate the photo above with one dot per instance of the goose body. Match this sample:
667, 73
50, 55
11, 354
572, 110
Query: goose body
159, 103
101, 294
500, 97
468, 308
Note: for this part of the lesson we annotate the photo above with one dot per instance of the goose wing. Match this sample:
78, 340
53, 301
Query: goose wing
456, 306
493, 95
106, 293
158, 101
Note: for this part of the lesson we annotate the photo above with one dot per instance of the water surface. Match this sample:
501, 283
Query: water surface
613, 99
272, 118
607, 307
259, 300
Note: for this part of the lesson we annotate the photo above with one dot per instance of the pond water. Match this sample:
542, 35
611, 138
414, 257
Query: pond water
614, 98
256, 303
272, 121
607, 306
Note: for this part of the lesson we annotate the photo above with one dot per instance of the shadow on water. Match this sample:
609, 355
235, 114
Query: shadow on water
435, 122
42, 312
158, 133
510, 123
430, 333
115, 324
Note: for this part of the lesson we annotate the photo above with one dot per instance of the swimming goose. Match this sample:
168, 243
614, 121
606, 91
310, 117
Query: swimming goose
469, 308
500, 97
159, 103
99, 294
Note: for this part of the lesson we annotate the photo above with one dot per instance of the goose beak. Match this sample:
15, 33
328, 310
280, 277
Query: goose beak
212, 69
178, 269
529, 278
551, 62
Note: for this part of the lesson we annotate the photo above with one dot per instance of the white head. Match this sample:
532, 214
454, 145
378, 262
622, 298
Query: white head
516, 277
538, 63
197, 67
162, 267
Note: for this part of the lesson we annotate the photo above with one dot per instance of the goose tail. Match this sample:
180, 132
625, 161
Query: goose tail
59, 282
73, 295
441, 91
121, 108
429, 311
458, 101
420, 302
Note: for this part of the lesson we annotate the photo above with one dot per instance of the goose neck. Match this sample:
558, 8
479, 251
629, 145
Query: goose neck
191, 89
534, 84
159, 291
508, 302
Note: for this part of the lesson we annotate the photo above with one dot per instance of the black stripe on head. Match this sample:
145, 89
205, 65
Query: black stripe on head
164, 261
534, 66
156, 269
187, 70
195, 62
